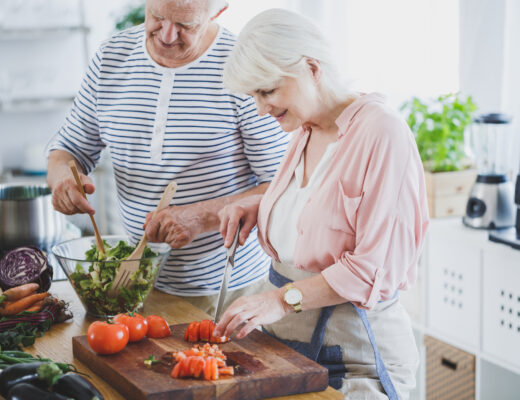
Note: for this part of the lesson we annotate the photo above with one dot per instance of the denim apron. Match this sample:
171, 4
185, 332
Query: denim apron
331, 356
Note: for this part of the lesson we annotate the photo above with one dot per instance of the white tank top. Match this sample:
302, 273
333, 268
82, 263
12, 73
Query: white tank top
282, 230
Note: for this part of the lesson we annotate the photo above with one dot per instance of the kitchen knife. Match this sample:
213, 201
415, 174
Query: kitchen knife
230, 263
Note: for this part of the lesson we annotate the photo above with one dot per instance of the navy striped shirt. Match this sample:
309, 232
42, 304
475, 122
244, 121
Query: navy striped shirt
162, 124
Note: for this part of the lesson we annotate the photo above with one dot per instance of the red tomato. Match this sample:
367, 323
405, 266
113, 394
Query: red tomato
137, 325
157, 327
107, 338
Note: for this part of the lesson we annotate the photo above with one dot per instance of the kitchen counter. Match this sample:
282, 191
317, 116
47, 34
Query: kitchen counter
57, 342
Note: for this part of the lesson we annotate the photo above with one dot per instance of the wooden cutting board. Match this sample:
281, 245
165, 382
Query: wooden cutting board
265, 368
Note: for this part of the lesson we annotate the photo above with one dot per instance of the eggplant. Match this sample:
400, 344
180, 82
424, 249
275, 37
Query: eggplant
20, 373
77, 387
26, 391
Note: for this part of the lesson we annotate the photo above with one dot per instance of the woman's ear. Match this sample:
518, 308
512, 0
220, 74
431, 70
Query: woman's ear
315, 68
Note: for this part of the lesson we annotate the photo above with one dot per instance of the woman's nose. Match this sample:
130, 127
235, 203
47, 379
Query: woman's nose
169, 32
263, 107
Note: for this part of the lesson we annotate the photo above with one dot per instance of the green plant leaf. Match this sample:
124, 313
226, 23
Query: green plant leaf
438, 127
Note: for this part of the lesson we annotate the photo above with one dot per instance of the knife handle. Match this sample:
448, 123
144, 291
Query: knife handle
231, 250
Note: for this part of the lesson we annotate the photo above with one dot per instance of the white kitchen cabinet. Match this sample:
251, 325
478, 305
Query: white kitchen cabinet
501, 304
468, 295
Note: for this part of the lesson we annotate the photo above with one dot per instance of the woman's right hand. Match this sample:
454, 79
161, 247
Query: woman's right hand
245, 211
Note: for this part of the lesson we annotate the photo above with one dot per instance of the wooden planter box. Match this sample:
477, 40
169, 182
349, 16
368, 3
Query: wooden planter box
448, 192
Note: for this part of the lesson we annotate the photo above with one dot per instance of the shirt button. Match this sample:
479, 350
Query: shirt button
301, 231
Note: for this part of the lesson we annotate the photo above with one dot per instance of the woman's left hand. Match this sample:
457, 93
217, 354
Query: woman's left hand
250, 312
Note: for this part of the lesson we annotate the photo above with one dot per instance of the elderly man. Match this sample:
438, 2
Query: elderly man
153, 96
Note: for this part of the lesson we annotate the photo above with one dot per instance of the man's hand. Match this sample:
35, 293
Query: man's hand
67, 199
176, 225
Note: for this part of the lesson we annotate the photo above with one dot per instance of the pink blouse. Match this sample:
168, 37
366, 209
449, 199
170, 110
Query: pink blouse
364, 227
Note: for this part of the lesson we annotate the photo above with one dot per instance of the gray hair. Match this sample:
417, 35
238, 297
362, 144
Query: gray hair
214, 6
275, 44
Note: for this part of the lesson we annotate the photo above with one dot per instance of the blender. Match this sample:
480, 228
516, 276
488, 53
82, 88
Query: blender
490, 205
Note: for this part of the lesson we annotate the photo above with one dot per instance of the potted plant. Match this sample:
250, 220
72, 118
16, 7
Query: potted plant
439, 127
133, 16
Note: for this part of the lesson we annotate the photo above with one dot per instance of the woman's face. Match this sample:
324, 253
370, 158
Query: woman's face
292, 101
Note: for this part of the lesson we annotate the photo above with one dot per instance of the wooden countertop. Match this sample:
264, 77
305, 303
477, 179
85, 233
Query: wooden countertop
57, 342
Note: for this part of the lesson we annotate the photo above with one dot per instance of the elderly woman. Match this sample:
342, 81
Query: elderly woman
344, 218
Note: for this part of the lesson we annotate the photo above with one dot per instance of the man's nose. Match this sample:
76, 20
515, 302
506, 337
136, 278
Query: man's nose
169, 32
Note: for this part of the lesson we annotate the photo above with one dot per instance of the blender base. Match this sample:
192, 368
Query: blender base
506, 236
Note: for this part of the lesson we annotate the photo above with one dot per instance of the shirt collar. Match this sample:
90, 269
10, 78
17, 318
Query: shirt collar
348, 114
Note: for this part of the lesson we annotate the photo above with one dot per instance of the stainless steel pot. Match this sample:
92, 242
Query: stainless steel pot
27, 217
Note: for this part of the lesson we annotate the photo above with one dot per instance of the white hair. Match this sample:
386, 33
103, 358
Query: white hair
214, 6
276, 44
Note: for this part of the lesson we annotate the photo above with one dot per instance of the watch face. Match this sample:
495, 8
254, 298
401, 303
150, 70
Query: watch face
293, 296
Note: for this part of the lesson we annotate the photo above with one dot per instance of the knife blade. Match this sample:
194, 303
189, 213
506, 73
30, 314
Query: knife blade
230, 263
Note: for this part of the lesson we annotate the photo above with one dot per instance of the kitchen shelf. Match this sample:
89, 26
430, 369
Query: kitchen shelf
36, 104
462, 279
38, 33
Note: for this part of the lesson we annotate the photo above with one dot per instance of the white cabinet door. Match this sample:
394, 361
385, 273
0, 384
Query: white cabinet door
501, 303
454, 273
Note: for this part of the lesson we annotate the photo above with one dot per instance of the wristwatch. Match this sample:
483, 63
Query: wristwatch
293, 296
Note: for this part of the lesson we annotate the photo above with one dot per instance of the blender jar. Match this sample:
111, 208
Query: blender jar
490, 144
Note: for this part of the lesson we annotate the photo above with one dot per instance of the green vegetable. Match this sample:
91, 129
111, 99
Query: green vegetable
150, 361
94, 286
439, 130
49, 373
24, 328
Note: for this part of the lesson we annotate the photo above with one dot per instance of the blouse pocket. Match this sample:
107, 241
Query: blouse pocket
343, 214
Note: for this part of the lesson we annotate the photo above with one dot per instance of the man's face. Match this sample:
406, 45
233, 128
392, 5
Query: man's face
175, 30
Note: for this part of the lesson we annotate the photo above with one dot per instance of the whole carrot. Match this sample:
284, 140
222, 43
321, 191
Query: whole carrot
35, 307
19, 292
15, 307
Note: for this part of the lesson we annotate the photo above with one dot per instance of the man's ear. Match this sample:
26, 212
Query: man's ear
315, 68
220, 12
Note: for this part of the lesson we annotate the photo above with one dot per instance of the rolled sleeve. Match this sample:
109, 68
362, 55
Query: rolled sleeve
389, 227
374, 270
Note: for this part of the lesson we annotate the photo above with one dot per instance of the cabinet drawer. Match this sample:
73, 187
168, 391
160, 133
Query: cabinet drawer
450, 372
501, 303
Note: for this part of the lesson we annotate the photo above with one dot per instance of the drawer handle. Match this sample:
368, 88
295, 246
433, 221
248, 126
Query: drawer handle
450, 364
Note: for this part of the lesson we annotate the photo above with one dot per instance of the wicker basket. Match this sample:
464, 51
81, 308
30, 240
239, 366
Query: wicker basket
450, 372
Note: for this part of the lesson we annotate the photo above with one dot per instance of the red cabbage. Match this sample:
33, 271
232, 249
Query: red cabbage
25, 264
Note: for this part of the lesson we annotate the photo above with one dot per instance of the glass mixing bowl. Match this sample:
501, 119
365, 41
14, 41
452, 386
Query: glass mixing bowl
92, 280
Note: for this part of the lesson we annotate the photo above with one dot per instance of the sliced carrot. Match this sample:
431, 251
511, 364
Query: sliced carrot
207, 369
226, 371
214, 369
196, 366
13, 308
176, 370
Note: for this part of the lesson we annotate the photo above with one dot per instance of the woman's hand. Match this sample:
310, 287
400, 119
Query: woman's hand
252, 311
244, 210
